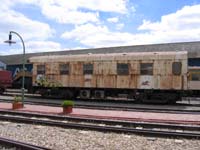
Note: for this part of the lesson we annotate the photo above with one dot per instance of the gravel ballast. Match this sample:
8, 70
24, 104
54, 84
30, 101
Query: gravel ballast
70, 139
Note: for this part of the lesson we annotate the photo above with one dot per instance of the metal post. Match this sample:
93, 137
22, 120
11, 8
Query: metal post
23, 75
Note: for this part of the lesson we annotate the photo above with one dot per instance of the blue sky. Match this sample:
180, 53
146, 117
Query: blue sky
53, 25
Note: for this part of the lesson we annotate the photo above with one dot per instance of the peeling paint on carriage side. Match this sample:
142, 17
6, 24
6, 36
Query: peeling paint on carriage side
157, 71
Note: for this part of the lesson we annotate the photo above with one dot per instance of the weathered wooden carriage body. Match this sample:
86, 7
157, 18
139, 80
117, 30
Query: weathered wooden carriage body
127, 73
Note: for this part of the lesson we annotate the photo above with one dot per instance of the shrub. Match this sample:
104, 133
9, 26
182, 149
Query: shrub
17, 99
67, 103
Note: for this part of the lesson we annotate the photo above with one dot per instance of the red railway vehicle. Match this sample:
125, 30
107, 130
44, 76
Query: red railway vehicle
5, 80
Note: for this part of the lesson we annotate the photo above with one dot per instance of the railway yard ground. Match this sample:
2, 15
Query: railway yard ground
169, 127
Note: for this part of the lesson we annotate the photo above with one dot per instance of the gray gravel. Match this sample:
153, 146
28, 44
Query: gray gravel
70, 139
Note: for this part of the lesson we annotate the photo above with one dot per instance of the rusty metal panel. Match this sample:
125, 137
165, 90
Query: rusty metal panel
109, 68
89, 81
134, 67
34, 72
107, 81
100, 81
76, 68
98, 68
177, 82
162, 68
110, 81
64, 79
51, 68
105, 70
76, 81
166, 82
123, 81
184, 66
168, 68
112, 57
133, 81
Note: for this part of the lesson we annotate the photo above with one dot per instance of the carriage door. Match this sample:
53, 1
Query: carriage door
146, 79
88, 72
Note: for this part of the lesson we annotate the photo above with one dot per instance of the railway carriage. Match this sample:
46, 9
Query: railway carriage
145, 76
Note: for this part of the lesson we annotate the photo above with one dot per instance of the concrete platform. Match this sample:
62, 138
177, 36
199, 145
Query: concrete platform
109, 114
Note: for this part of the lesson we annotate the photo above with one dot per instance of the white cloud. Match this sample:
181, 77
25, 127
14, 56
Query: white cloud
119, 26
77, 11
69, 11
118, 6
42, 46
183, 25
29, 29
113, 20
98, 36
33, 47
62, 15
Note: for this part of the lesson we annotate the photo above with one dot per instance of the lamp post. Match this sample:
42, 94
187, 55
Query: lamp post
9, 41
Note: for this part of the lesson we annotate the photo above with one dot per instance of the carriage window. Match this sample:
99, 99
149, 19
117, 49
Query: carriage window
195, 77
146, 68
40, 69
122, 69
64, 69
176, 68
88, 69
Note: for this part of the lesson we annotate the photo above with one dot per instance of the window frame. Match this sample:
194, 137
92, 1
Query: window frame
123, 69
88, 69
176, 65
144, 69
197, 77
42, 69
64, 69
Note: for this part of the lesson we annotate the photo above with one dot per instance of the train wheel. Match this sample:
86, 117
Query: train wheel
172, 98
2, 90
85, 94
140, 98
68, 94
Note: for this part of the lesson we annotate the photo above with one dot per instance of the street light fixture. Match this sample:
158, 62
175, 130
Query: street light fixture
9, 41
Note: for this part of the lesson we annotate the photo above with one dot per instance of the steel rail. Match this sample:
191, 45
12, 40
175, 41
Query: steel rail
108, 121
149, 132
21, 145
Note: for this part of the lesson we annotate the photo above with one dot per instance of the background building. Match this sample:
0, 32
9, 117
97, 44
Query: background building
2, 65
14, 62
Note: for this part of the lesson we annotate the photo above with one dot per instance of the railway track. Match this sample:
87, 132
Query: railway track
149, 129
186, 102
12, 144
112, 105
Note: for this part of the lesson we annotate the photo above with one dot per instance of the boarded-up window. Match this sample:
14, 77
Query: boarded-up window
40, 69
64, 69
176, 68
122, 69
88, 69
146, 68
